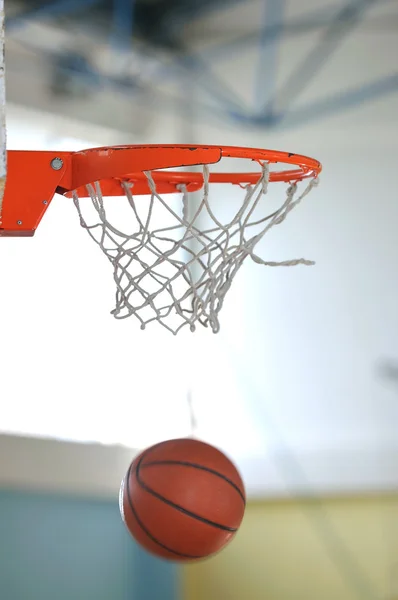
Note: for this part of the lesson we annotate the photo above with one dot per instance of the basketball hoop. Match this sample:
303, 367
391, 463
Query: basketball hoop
178, 271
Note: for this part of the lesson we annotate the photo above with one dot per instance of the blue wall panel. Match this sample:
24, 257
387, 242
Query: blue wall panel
64, 548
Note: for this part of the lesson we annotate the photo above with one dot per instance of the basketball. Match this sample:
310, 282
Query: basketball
182, 500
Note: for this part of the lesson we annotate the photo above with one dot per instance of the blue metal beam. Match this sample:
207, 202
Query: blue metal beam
333, 104
341, 25
227, 105
205, 80
270, 35
309, 21
306, 22
342, 101
53, 9
213, 84
267, 69
184, 12
123, 24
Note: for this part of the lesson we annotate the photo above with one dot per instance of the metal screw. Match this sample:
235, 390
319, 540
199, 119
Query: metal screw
45, 202
19, 222
57, 164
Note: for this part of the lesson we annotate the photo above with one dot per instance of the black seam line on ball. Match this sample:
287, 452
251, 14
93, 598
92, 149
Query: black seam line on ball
146, 531
184, 463
177, 506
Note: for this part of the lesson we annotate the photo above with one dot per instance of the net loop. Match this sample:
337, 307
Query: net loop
179, 259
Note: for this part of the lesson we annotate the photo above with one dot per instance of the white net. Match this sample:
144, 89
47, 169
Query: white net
174, 267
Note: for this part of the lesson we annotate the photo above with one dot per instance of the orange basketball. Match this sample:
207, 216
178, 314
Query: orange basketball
182, 500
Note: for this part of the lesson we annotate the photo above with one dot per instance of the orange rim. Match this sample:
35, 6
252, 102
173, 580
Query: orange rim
169, 181
34, 173
94, 158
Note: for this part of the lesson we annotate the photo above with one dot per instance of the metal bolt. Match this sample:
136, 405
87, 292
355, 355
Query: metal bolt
57, 164
45, 202
19, 222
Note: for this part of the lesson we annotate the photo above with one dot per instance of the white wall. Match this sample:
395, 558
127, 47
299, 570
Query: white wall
42, 464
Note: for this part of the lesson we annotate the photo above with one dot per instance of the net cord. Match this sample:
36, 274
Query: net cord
153, 267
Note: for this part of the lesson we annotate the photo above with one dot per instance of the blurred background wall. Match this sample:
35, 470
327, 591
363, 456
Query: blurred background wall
299, 387
330, 548
61, 535
61, 531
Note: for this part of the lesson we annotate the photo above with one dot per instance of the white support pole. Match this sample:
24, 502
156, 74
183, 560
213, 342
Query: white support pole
3, 136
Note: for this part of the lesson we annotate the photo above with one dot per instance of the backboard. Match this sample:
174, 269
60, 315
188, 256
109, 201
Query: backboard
3, 158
